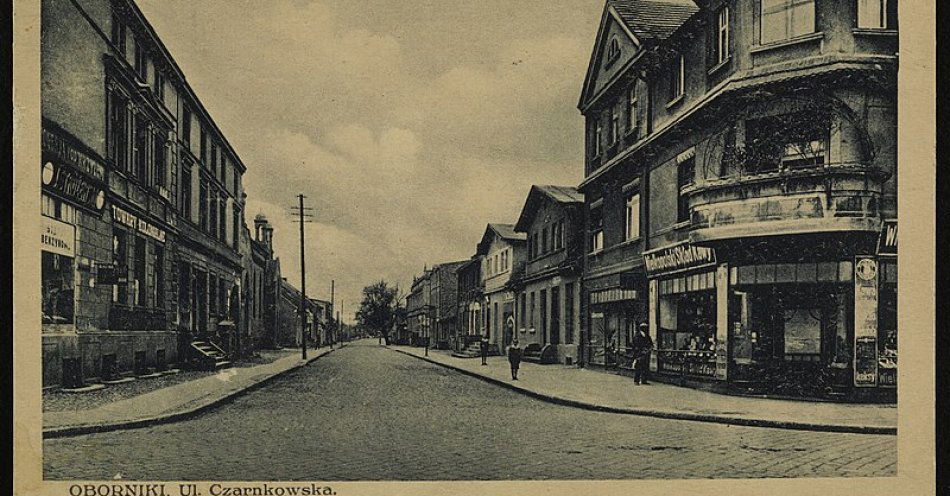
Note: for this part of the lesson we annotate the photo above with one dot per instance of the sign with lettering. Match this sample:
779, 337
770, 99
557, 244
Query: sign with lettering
612, 295
722, 322
58, 237
59, 147
887, 242
681, 256
865, 321
70, 183
141, 225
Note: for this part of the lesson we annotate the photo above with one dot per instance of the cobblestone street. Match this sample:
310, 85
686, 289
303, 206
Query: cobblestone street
368, 413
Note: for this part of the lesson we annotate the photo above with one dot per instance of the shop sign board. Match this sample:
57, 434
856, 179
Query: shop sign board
677, 257
865, 321
887, 242
612, 295
141, 225
653, 298
722, 322
59, 147
70, 183
58, 237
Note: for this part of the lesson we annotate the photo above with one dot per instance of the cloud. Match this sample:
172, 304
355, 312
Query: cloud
409, 125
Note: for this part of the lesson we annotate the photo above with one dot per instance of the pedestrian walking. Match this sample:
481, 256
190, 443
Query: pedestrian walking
483, 348
514, 358
642, 348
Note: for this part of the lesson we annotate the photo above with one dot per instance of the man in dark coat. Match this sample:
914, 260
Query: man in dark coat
483, 348
642, 348
514, 358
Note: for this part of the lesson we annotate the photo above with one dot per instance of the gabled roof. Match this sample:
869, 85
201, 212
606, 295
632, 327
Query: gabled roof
558, 194
654, 19
504, 231
644, 21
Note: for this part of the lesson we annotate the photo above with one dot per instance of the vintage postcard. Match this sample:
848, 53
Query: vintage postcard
320, 247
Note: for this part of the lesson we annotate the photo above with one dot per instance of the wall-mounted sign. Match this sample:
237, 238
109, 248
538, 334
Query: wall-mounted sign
756, 210
681, 256
865, 321
141, 225
71, 183
887, 242
612, 295
65, 151
58, 237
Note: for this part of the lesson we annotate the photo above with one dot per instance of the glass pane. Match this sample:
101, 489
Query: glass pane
845, 271
785, 273
807, 272
802, 17
827, 271
765, 273
746, 274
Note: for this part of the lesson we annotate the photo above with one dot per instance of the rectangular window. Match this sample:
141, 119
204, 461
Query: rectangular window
212, 294
544, 240
614, 125
120, 257
633, 216
141, 61
57, 280
722, 35
160, 166
140, 150
159, 276
877, 14
118, 131
537, 244
789, 141
524, 309
685, 175
204, 147
159, 84
677, 77
543, 297
632, 109
786, 19
186, 125
223, 218
531, 312
214, 159
222, 298
140, 289
118, 34
236, 226
596, 229
569, 313
598, 139
203, 205
186, 189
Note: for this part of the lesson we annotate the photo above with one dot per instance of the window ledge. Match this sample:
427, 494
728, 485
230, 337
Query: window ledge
714, 69
676, 101
764, 47
874, 32
680, 225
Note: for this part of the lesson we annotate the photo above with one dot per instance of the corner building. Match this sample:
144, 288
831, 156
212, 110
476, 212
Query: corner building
142, 226
740, 184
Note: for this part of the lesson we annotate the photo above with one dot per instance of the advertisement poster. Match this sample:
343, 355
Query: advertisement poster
865, 321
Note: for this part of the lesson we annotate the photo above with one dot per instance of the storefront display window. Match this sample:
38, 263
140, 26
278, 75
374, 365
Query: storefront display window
57, 275
687, 325
887, 325
802, 333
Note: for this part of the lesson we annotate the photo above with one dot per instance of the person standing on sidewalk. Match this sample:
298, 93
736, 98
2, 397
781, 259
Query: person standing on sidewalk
514, 358
483, 348
642, 347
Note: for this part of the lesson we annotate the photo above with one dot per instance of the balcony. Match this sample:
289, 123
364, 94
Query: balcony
787, 200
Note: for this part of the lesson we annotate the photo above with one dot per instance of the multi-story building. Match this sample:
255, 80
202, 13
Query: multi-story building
502, 252
419, 310
740, 168
444, 298
470, 293
142, 198
547, 294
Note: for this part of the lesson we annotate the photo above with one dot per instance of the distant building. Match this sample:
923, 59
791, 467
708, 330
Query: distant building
470, 298
547, 293
502, 252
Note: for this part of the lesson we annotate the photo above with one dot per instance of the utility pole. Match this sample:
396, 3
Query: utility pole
302, 218
333, 309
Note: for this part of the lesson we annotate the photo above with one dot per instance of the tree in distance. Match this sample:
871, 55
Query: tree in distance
377, 312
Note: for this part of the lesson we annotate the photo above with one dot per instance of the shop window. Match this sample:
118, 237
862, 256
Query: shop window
139, 285
785, 19
802, 333
58, 288
877, 14
159, 276
120, 257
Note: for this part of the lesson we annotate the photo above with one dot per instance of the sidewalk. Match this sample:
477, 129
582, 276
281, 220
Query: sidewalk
172, 403
614, 393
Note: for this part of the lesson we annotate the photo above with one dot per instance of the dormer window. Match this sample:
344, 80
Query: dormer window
677, 78
613, 51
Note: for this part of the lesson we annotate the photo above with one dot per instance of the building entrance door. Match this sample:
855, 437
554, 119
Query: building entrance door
555, 328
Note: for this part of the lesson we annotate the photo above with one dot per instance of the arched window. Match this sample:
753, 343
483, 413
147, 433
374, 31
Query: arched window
613, 50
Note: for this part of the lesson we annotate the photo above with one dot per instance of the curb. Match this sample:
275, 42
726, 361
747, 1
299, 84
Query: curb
698, 417
76, 430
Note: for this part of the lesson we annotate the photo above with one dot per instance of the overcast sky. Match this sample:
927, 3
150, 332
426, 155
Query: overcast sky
409, 124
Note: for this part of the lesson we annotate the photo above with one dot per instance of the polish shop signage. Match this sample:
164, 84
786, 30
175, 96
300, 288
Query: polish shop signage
677, 257
141, 225
887, 244
71, 172
58, 237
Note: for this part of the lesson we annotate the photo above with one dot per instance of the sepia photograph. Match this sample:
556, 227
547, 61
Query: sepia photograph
469, 241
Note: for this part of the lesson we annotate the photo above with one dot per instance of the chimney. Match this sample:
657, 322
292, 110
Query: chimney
259, 222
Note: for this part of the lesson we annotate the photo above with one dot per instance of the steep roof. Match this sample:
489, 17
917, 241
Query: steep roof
558, 194
504, 231
654, 19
